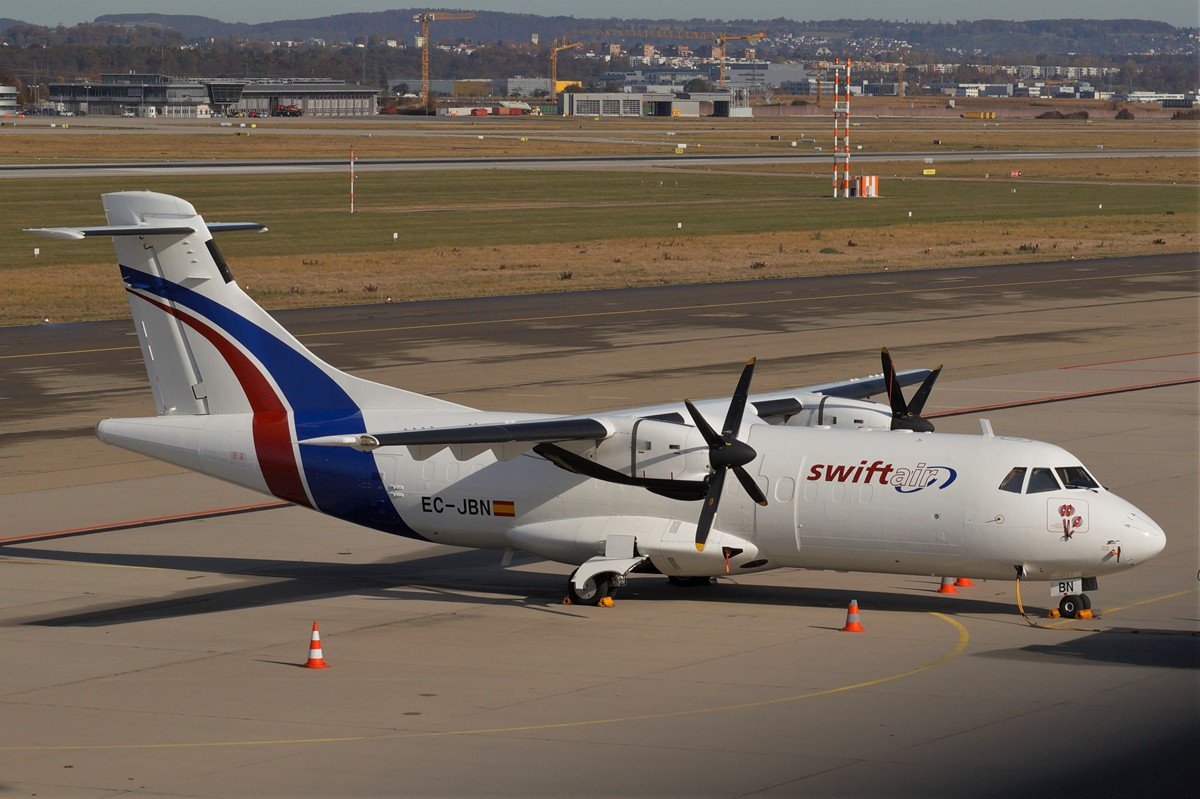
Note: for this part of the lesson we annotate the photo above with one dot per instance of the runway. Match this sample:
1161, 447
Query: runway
624, 162
159, 658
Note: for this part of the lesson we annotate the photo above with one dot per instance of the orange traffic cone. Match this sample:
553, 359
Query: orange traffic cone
947, 586
316, 658
852, 623
964, 582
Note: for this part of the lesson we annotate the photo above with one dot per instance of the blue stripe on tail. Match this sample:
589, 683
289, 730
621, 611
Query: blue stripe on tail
343, 482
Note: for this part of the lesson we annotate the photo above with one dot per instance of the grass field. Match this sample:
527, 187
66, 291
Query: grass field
469, 233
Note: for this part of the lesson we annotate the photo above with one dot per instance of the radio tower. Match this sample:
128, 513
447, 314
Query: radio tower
841, 128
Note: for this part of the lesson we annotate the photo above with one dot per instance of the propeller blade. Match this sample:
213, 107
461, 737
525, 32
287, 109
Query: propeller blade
710, 436
737, 405
711, 500
917, 403
750, 485
895, 397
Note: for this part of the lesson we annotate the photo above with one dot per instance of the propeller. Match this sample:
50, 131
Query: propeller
907, 415
725, 453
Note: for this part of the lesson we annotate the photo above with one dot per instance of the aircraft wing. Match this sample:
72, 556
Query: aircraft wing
855, 387
786, 402
506, 439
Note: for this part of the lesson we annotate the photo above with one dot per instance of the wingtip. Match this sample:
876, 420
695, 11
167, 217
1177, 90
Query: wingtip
752, 361
699, 547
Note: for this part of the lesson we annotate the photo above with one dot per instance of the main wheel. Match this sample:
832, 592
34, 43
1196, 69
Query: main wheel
1070, 605
1085, 602
594, 589
689, 582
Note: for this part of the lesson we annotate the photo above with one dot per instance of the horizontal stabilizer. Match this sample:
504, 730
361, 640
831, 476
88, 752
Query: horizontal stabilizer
140, 230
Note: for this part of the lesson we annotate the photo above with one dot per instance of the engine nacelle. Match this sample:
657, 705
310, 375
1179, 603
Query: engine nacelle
643, 447
823, 410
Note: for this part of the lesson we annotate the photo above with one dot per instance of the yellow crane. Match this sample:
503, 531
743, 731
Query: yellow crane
719, 39
555, 49
424, 19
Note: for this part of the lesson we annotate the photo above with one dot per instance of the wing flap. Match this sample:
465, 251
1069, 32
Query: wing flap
507, 440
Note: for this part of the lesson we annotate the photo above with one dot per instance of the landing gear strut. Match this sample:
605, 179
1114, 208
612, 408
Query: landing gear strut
594, 589
1070, 605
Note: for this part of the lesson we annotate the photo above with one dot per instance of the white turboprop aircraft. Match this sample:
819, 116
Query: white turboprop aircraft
823, 479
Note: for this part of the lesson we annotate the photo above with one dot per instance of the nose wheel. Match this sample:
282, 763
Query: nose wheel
1070, 605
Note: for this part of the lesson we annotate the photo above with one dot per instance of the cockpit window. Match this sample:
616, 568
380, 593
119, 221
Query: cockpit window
1013, 480
1075, 477
1041, 480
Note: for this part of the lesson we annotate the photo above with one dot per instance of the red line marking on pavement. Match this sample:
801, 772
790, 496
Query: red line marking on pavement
1129, 360
1062, 397
147, 522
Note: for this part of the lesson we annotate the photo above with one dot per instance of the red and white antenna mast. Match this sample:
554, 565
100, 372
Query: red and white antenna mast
841, 128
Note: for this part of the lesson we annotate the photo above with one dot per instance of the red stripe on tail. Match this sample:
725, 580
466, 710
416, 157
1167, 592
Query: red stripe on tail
272, 433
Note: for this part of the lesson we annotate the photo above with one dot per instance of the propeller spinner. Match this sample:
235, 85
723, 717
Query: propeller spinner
725, 453
907, 415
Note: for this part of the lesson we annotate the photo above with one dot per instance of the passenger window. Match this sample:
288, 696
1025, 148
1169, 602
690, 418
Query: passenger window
1075, 477
1041, 480
1013, 480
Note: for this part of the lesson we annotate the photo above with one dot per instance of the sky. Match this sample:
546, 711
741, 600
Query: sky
1177, 12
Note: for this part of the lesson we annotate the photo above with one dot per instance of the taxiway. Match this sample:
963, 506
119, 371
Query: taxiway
160, 658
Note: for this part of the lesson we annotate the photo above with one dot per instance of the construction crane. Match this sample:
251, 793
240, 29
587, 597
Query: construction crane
555, 49
424, 19
718, 39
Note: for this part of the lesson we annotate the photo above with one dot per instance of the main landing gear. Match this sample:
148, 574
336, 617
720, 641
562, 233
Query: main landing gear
1071, 605
595, 589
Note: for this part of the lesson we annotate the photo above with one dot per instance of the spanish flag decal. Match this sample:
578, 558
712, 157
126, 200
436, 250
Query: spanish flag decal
504, 507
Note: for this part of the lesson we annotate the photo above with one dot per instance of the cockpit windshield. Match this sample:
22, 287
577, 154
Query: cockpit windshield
1075, 477
1013, 480
1041, 480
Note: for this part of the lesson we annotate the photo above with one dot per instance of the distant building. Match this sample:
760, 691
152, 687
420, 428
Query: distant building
144, 95
313, 99
631, 104
473, 87
525, 87
8, 100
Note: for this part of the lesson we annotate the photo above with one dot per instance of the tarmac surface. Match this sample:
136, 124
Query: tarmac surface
160, 658
290, 166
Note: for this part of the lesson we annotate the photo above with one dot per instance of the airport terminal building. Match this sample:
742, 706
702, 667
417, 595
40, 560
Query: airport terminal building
143, 95
659, 104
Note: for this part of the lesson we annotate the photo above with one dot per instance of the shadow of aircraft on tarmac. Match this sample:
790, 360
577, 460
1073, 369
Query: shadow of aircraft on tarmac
468, 576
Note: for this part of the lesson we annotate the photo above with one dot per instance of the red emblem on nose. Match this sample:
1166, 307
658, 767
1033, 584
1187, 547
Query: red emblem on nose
1066, 510
1077, 521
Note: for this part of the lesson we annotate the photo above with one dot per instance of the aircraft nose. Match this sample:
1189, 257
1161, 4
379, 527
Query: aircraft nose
1145, 538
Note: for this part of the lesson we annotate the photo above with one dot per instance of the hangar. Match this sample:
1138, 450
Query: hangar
150, 95
658, 104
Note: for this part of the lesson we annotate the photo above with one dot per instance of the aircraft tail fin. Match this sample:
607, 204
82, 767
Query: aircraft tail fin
208, 347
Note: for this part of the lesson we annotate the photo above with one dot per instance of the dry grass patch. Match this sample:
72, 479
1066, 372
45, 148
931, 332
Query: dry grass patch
92, 291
